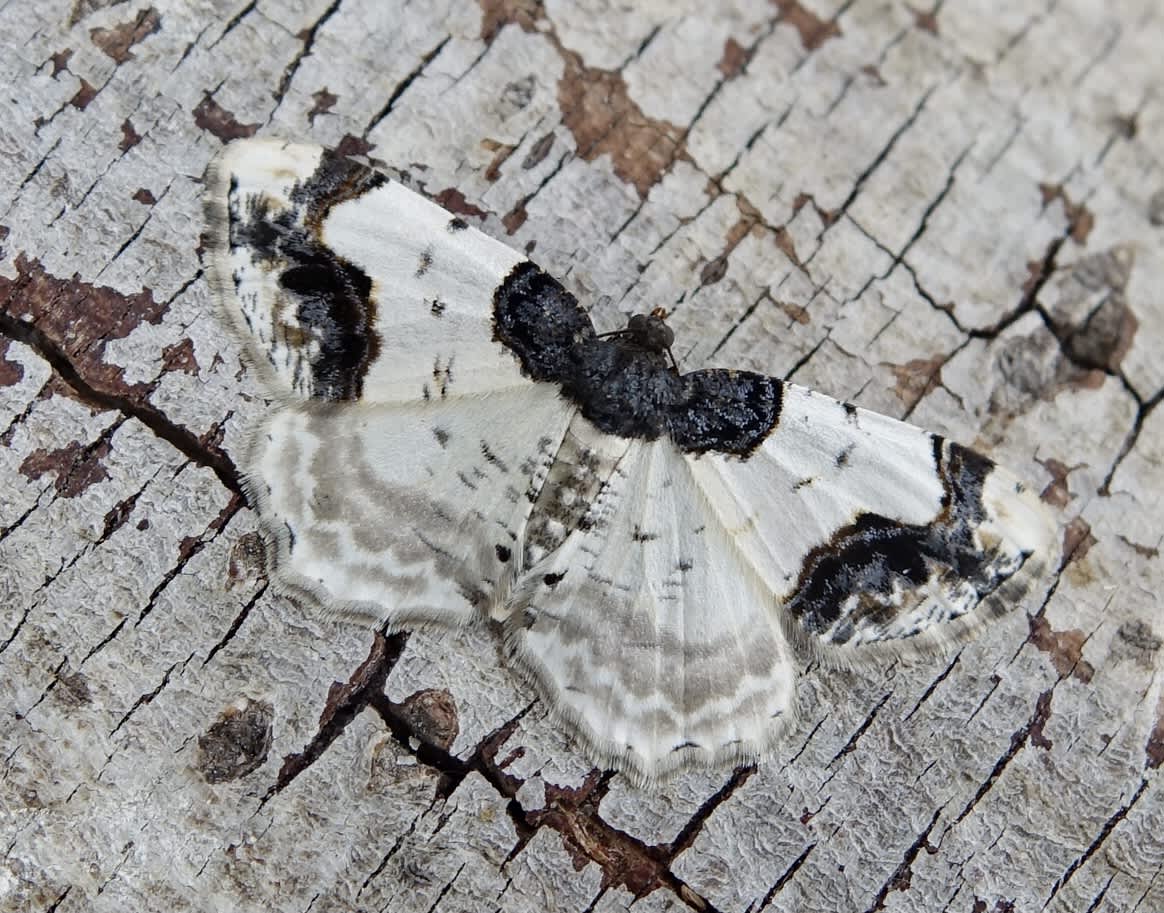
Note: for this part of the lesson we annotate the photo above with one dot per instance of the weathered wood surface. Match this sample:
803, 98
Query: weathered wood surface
952, 216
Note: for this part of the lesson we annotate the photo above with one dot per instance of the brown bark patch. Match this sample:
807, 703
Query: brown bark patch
454, 201
813, 30
926, 20
735, 58
116, 42
237, 743
496, 14
750, 219
11, 372
827, 216
322, 103
796, 312
1077, 541
1144, 551
353, 145
917, 378
515, 218
60, 61
84, 95
144, 196
1039, 721
210, 116
604, 120
76, 466
587, 838
1065, 648
180, 357
129, 136
783, 239
79, 318
1057, 493
501, 153
1080, 219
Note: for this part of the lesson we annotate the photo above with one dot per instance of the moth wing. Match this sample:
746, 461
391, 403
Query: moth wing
867, 530
649, 632
409, 513
342, 284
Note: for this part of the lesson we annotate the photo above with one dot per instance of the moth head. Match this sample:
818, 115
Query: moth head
650, 331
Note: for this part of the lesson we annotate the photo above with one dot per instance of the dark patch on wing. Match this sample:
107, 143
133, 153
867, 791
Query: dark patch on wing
334, 297
867, 558
625, 384
503, 553
336, 180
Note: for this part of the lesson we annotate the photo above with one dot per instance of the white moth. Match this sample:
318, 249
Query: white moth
452, 440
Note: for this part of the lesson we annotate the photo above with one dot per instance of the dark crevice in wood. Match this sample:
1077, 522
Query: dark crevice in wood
861, 730
392, 851
1018, 741
308, 38
686, 837
942, 676
573, 813
179, 437
445, 890
1145, 409
235, 624
881, 156
785, 877
344, 702
900, 879
52, 908
229, 26
1108, 826
188, 549
147, 697
404, 85
1098, 899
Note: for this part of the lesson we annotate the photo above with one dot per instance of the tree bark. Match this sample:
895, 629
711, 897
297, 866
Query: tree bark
951, 215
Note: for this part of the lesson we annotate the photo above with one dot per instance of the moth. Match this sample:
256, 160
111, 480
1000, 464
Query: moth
452, 440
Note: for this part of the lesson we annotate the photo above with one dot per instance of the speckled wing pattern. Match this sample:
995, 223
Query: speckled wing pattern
452, 440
